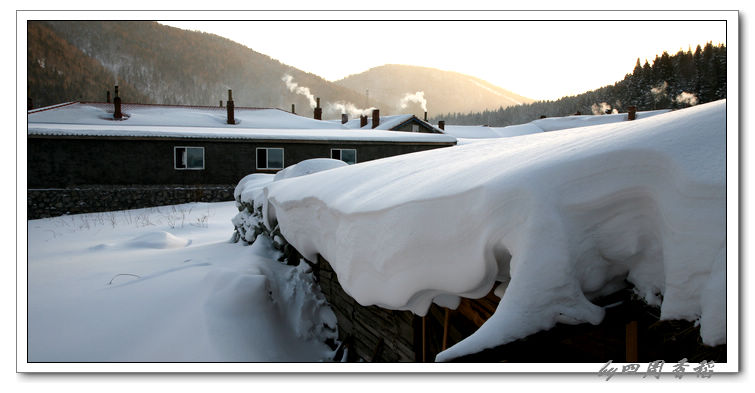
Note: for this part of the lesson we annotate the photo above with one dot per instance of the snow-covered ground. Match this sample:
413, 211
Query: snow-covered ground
166, 285
558, 218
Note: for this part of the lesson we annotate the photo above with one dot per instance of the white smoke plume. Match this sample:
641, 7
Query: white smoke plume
295, 88
686, 98
602, 109
660, 90
347, 107
418, 97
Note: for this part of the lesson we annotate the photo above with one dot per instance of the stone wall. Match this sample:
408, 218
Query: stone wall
371, 333
51, 202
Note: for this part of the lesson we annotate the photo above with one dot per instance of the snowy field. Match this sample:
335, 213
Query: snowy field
554, 220
166, 285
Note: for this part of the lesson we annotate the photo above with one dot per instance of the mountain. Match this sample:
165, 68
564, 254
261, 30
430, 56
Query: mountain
59, 72
154, 63
167, 65
444, 91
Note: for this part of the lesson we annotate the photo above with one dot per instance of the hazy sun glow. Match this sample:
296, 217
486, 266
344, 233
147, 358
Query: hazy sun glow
537, 59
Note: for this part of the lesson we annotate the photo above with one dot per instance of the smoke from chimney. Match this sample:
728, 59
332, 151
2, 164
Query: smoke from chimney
686, 98
418, 97
348, 108
301, 90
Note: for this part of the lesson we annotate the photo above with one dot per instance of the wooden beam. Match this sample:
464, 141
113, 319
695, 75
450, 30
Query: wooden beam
424, 350
445, 324
631, 342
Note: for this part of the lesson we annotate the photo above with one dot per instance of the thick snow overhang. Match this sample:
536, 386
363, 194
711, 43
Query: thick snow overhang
559, 218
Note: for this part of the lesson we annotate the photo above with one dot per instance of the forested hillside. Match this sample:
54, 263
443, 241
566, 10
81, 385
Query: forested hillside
671, 81
59, 72
166, 65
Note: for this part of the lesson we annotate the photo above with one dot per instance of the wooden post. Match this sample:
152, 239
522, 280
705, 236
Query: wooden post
375, 118
117, 114
631, 342
445, 331
230, 108
318, 110
424, 351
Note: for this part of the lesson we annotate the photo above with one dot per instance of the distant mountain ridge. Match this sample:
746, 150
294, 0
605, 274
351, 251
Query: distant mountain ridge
154, 63
443, 91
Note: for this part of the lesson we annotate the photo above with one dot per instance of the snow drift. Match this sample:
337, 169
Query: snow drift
557, 218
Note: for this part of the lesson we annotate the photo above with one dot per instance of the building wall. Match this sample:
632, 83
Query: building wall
371, 333
69, 162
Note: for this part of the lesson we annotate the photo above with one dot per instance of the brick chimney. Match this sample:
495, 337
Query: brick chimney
362, 121
230, 107
318, 110
293, 108
631, 112
375, 118
107, 98
442, 125
344, 118
221, 103
425, 115
117, 115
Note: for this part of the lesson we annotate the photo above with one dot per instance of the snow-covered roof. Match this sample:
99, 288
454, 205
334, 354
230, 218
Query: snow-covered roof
161, 121
542, 125
558, 218
126, 131
386, 122
173, 115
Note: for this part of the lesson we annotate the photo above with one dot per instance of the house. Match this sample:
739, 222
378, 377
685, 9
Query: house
82, 158
405, 122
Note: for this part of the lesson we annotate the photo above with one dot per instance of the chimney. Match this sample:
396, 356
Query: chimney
425, 115
344, 118
318, 110
293, 108
375, 118
107, 99
221, 103
632, 112
229, 107
362, 121
442, 125
117, 115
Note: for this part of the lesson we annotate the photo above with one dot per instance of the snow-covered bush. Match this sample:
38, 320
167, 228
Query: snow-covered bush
256, 217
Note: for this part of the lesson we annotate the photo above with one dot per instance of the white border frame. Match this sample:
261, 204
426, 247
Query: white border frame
734, 352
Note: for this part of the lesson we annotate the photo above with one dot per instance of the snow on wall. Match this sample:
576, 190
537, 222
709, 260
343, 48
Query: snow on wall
558, 218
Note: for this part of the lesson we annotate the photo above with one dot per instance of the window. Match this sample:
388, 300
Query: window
415, 127
269, 158
348, 156
185, 157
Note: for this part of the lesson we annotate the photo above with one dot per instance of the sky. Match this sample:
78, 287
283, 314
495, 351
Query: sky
542, 60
